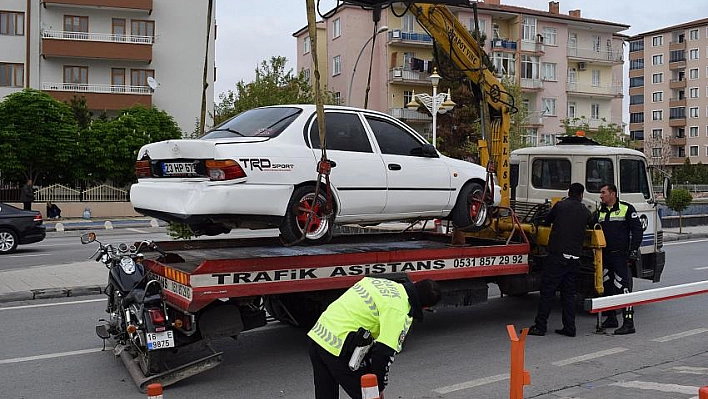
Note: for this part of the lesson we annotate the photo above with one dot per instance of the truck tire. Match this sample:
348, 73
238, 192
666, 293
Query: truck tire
470, 211
8, 241
296, 218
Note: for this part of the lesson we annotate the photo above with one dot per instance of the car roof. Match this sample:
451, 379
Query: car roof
574, 149
313, 108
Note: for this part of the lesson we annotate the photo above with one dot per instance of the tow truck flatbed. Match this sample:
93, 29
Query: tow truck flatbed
219, 269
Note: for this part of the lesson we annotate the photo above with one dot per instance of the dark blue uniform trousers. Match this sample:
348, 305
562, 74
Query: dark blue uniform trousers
558, 272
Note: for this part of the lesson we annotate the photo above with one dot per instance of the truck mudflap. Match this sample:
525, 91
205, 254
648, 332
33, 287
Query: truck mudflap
166, 377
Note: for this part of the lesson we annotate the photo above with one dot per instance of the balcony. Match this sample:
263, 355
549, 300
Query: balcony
533, 118
679, 45
678, 64
403, 76
534, 47
677, 102
102, 97
96, 46
677, 141
410, 38
145, 5
531, 84
608, 55
677, 121
677, 83
503, 44
676, 160
610, 90
409, 115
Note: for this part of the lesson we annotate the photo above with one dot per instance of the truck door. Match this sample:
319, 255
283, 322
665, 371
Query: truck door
634, 188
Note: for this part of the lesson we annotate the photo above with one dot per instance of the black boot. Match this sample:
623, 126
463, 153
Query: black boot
627, 324
610, 322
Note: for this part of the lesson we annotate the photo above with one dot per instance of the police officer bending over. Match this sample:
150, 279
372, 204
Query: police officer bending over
362, 330
623, 233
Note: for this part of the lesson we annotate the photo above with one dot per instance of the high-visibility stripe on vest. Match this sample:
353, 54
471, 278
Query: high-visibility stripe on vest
378, 305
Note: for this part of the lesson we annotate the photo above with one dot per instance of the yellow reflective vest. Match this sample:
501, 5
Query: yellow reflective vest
378, 305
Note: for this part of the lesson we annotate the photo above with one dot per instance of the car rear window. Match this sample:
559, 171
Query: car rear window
257, 122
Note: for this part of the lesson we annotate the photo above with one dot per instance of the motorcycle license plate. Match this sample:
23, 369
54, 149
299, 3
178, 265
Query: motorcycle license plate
160, 340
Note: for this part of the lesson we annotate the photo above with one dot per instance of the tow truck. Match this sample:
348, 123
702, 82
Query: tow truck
220, 288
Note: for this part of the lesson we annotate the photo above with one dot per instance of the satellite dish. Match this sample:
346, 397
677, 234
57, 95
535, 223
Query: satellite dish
152, 82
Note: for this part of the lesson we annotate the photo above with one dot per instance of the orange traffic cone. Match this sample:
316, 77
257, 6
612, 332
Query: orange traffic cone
369, 387
154, 391
703, 393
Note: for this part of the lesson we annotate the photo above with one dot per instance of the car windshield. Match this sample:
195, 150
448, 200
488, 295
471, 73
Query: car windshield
257, 122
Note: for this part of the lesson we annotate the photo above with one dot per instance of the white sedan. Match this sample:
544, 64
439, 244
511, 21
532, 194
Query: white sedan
259, 170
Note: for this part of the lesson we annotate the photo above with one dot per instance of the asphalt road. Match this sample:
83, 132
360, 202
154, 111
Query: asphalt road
49, 349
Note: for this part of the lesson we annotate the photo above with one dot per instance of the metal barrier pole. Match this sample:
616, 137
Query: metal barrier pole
518, 376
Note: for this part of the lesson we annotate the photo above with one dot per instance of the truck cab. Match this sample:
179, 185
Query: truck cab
541, 174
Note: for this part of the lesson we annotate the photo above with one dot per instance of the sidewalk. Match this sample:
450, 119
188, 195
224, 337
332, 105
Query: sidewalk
89, 277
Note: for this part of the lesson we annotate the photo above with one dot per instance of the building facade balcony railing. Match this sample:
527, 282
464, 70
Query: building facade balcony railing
100, 96
401, 75
677, 64
503, 44
677, 83
398, 36
677, 140
96, 37
677, 102
614, 89
598, 55
145, 5
97, 88
536, 47
676, 160
409, 115
527, 83
96, 46
677, 121
677, 45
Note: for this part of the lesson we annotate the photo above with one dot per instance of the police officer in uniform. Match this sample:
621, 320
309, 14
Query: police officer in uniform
375, 311
623, 234
568, 218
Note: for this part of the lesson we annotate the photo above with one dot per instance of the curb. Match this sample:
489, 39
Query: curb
104, 224
50, 293
684, 236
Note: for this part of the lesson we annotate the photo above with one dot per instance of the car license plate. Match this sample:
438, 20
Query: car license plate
179, 169
160, 340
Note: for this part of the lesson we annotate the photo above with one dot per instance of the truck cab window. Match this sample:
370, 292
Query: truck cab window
598, 172
553, 174
633, 177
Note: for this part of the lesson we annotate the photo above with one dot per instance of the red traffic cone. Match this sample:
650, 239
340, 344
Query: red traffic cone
703, 393
154, 391
438, 225
369, 387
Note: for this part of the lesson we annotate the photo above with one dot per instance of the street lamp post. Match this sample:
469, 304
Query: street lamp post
351, 80
438, 103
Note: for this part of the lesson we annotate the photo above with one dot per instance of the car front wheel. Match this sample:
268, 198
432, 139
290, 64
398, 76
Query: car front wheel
470, 211
8, 241
307, 215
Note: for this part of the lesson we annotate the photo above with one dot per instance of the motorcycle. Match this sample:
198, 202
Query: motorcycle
137, 315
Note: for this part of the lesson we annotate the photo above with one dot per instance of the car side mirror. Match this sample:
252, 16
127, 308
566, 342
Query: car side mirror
667, 187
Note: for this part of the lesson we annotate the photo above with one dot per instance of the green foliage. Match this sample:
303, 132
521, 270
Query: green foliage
179, 231
690, 174
37, 137
679, 200
610, 135
519, 120
273, 86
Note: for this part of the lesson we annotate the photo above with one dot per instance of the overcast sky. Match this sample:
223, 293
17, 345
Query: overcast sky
253, 31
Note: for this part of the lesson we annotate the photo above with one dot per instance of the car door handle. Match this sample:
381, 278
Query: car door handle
394, 166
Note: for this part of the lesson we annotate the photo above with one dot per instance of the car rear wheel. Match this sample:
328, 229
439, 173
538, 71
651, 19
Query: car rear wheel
306, 214
470, 211
8, 241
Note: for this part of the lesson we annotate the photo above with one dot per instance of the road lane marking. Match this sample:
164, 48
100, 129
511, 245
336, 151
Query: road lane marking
54, 304
691, 370
50, 356
700, 268
472, 383
589, 356
25, 255
680, 335
141, 231
683, 242
657, 386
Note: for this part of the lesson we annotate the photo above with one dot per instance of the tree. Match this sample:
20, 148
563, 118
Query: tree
658, 151
610, 135
37, 137
273, 86
678, 201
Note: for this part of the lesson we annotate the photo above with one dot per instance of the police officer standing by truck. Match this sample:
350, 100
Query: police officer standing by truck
623, 234
362, 330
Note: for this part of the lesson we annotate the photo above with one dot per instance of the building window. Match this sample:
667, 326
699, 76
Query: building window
117, 79
306, 73
657, 133
693, 112
693, 92
657, 59
336, 28
549, 71
596, 44
693, 34
549, 106
73, 23
118, 28
693, 151
636, 134
409, 23
636, 99
636, 64
12, 23
656, 152
138, 77
528, 29
693, 131
407, 96
504, 63
550, 36
142, 28
636, 117
693, 73
595, 111
657, 41
76, 74
571, 110
337, 98
657, 78
636, 45
336, 65
12, 75
481, 22
636, 81
657, 96
306, 45
529, 67
693, 54
596, 77
657, 115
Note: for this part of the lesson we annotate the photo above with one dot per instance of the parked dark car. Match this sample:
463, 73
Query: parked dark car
19, 227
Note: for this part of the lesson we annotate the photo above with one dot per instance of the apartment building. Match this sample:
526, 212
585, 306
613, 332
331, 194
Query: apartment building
668, 90
115, 53
567, 66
